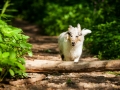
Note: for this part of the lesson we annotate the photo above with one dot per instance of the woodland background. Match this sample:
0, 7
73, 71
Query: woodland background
54, 16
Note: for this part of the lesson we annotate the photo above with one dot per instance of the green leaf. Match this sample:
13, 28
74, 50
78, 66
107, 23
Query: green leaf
22, 60
1, 40
5, 7
2, 23
5, 54
30, 53
15, 36
8, 34
0, 69
17, 30
3, 46
25, 74
23, 45
20, 66
0, 53
25, 37
12, 55
11, 72
6, 16
19, 36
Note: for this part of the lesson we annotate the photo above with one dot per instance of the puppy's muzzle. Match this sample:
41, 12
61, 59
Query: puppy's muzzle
73, 43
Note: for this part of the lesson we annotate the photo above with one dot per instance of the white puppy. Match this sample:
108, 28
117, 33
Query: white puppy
71, 42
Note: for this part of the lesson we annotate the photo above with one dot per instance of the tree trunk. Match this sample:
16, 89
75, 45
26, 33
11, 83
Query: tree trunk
70, 66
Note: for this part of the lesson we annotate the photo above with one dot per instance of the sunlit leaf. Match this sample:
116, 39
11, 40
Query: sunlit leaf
5, 54
11, 72
30, 53
12, 55
20, 66
1, 40
0, 53
25, 74
23, 45
25, 37
17, 30
22, 60
0, 69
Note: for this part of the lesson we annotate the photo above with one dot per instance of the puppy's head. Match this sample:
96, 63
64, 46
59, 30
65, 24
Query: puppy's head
74, 34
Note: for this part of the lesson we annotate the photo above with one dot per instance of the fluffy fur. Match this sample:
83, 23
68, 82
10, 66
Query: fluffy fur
71, 42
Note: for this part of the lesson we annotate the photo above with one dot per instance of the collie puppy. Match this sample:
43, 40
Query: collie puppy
70, 43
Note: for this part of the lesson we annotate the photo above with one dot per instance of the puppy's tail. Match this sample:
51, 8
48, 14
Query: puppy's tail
85, 31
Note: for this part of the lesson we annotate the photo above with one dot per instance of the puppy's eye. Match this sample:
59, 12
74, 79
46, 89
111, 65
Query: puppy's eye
69, 33
76, 36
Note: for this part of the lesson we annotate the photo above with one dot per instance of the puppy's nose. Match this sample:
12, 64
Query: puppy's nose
73, 43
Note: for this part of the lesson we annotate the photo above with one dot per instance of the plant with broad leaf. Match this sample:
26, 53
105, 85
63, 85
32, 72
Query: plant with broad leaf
13, 46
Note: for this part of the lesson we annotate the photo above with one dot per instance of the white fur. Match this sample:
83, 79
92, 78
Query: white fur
71, 52
85, 31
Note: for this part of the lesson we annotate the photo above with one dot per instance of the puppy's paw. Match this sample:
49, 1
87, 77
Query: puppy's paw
76, 61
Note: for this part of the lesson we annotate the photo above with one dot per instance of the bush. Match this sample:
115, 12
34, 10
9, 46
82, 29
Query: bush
13, 46
104, 41
58, 18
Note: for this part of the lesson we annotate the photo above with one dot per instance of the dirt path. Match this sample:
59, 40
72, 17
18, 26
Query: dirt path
46, 48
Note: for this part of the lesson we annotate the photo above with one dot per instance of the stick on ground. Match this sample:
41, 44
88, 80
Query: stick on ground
28, 81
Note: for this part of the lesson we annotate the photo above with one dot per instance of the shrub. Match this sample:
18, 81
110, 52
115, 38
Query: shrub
58, 18
104, 40
13, 46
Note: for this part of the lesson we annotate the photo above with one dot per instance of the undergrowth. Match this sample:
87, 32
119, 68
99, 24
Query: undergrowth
13, 46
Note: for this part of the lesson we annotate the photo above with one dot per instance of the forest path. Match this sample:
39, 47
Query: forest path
46, 48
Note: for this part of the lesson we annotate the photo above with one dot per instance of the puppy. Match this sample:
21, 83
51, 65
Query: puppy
70, 43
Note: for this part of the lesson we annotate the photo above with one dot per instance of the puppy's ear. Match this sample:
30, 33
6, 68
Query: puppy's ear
68, 29
70, 26
67, 36
79, 27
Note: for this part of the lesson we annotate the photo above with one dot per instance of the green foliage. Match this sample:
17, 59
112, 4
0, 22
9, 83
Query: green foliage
104, 41
4, 11
116, 73
31, 10
58, 18
69, 82
54, 16
13, 46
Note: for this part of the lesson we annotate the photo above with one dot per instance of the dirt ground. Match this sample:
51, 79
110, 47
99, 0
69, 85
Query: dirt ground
46, 48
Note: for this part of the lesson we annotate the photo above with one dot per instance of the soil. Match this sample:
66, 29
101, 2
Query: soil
46, 48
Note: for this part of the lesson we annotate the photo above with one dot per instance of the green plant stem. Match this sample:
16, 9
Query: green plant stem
4, 8
4, 73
